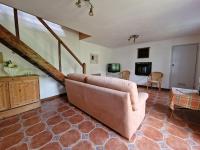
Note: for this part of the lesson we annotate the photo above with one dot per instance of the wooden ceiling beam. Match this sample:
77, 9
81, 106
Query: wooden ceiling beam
83, 36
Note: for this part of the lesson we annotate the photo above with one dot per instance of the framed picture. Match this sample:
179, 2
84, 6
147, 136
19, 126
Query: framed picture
143, 52
94, 59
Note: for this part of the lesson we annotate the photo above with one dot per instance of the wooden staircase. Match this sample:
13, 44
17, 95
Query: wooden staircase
15, 44
19, 47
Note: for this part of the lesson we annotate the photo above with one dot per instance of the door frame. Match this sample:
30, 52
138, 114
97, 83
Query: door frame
171, 60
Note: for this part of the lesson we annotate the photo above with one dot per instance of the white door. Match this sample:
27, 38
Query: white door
183, 65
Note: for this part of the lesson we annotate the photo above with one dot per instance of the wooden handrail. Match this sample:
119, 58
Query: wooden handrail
61, 42
12, 42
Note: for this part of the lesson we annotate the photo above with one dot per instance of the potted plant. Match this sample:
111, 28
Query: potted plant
10, 68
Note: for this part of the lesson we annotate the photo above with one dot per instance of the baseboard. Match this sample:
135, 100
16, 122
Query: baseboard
144, 86
18, 110
53, 97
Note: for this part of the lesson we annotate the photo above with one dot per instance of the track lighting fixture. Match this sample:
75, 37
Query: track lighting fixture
134, 37
78, 4
91, 11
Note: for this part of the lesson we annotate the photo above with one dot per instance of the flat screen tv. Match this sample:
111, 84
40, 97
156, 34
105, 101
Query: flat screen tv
143, 68
113, 68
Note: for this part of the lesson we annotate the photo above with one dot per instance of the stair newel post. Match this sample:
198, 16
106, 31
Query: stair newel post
84, 68
59, 56
16, 22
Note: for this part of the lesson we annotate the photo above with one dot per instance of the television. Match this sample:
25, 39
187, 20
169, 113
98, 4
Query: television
143, 52
113, 67
143, 68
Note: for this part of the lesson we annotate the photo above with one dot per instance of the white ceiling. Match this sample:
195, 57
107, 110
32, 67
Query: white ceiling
116, 20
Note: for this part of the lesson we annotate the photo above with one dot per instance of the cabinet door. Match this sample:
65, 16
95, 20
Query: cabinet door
4, 96
23, 92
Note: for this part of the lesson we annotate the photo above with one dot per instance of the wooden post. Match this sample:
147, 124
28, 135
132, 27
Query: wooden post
16, 22
1, 57
59, 56
84, 68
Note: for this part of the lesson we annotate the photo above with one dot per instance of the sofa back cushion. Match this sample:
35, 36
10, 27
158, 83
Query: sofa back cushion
116, 84
77, 77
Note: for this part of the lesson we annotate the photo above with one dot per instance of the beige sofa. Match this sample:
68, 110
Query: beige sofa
114, 102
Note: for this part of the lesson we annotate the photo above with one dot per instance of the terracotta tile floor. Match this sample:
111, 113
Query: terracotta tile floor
58, 125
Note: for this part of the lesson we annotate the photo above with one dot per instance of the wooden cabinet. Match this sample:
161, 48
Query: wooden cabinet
23, 91
18, 94
4, 96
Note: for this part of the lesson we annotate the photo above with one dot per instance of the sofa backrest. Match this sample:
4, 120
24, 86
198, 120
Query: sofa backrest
109, 82
116, 84
77, 77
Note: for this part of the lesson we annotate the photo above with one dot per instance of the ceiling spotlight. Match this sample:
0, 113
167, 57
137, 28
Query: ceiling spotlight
78, 3
91, 11
134, 37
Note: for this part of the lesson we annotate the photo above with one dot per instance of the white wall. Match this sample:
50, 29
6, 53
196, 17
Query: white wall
104, 54
198, 70
160, 56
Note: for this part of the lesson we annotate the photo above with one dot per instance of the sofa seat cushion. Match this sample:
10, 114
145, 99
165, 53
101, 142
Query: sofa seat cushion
77, 77
116, 84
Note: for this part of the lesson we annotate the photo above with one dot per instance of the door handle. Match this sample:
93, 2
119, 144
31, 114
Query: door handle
173, 65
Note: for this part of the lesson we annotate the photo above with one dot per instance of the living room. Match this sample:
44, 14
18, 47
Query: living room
97, 52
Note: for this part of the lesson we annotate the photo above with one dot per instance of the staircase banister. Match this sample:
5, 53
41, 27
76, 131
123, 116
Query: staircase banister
16, 45
61, 42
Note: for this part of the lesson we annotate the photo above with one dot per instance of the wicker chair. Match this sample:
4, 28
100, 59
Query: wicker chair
125, 74
155, 78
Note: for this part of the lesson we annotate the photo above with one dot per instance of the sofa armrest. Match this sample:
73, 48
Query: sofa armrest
142, 97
